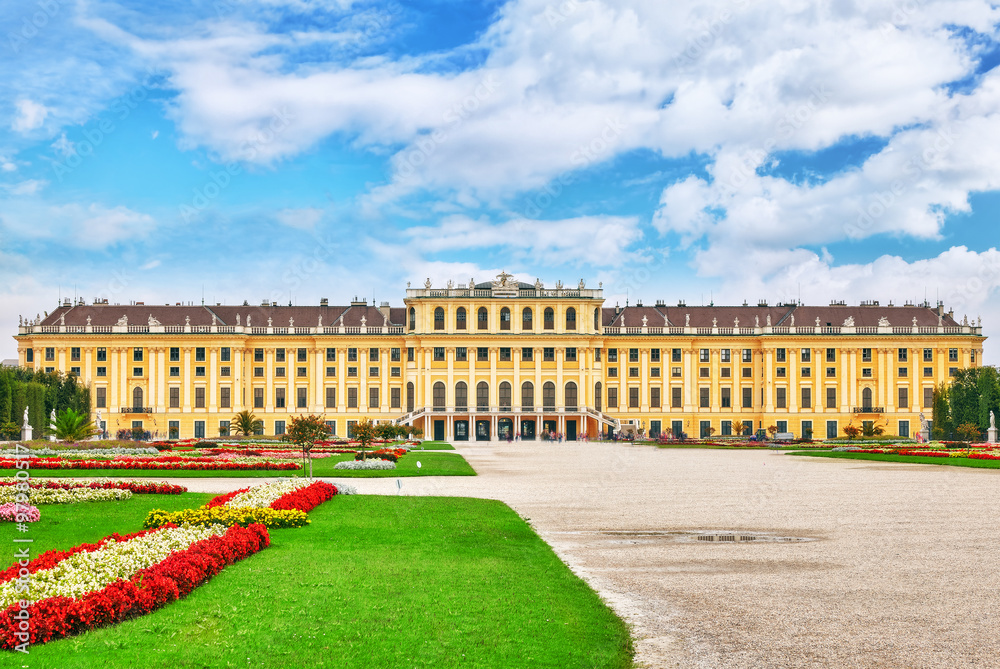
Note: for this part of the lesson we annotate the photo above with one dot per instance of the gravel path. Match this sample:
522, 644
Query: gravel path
885, 565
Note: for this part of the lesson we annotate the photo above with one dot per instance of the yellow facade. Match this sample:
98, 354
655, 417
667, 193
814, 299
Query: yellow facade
498, 358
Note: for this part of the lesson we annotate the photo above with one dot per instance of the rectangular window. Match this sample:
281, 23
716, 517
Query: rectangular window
928, 356
302, 397
654, 355
612, 398
331, 397
654, 398
279, 355
504, 354
461, 354
902, 355
394, 398
50, 353
831, 372
612, 372
831, 429
727, 428
175, 354
199, 354
675, 355
805, 372
137, 354
332, 424
373, 355
373, 372
703, 355
654, 372
704, 397
225, 398
373, 402
279, 427
548, 354
29, 354
394, 355
780, 372
866, 372
633, 355
633, 372
301, 371
705, 429
301, 355
952, 355
952, 371
199, 371
137, 371
395, 372
74, 371
409, 354
102, 355
866, 355
258, 398
782, 426
780, 400
675, 372
724, 355
831, 398
675, 398
258, 372
279, 398
633, 398
904, 428
175, 398
747, 355
806, 355
74, 353
748, 372
352, 398
331, 355
928, 371
483, 354
597, 355
331, 371
903, 372
727, 398
779, 354
807, 399
928, 397
526, 354
613, 355
352, 372
258, 355
102, 398
225, 354
904, 398
807, 429
831, 355
102, 371
223, 428
748, 398
199, 398
352, 355
571, 354
704, 372
279, 372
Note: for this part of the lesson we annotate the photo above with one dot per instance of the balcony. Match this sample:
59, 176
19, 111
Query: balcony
136, 410
869, 409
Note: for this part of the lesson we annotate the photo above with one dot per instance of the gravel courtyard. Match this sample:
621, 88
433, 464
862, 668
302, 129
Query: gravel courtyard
824, 563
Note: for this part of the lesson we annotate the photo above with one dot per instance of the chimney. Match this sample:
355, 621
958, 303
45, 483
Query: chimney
384, 308
324, 302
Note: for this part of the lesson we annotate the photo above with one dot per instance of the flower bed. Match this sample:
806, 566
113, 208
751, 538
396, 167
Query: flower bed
118, 578
21, 513
301, 495
77, 452
223, 515
973, 455
72, 496
169, 463
138, 487
365, 464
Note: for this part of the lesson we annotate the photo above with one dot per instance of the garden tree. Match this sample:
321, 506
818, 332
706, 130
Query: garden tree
245, 423
5, 398
941, 412
968, 432
40, 392
388, 431
10, 430
851, 430
365, 433
72, 425
738, 427
304, 432
772, 430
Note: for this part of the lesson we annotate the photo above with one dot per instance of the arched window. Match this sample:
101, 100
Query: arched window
597, 319
549, 396
439, 396
483, 318
549, 319
410, 399
460, 319
461, 395
505, 319
597, 396
526, 319
571, 319
527, 396
571, 396
504, 393
413, 318
137, 398
439, 319
483, 396
866, 398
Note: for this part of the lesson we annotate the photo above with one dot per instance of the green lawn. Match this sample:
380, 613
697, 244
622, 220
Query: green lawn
435, 446
373, 582
914, 459
432, 464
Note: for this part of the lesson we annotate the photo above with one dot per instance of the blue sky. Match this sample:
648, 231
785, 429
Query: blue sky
297, 149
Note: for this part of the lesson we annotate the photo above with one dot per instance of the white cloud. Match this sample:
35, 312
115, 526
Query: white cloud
64, 146
302, 219
28, 187
155, 134
30, 115
92, 226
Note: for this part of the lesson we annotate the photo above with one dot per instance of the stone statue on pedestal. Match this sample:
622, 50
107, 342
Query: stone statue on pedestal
991, 434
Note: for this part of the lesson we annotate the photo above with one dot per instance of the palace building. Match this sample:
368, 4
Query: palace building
498, 358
